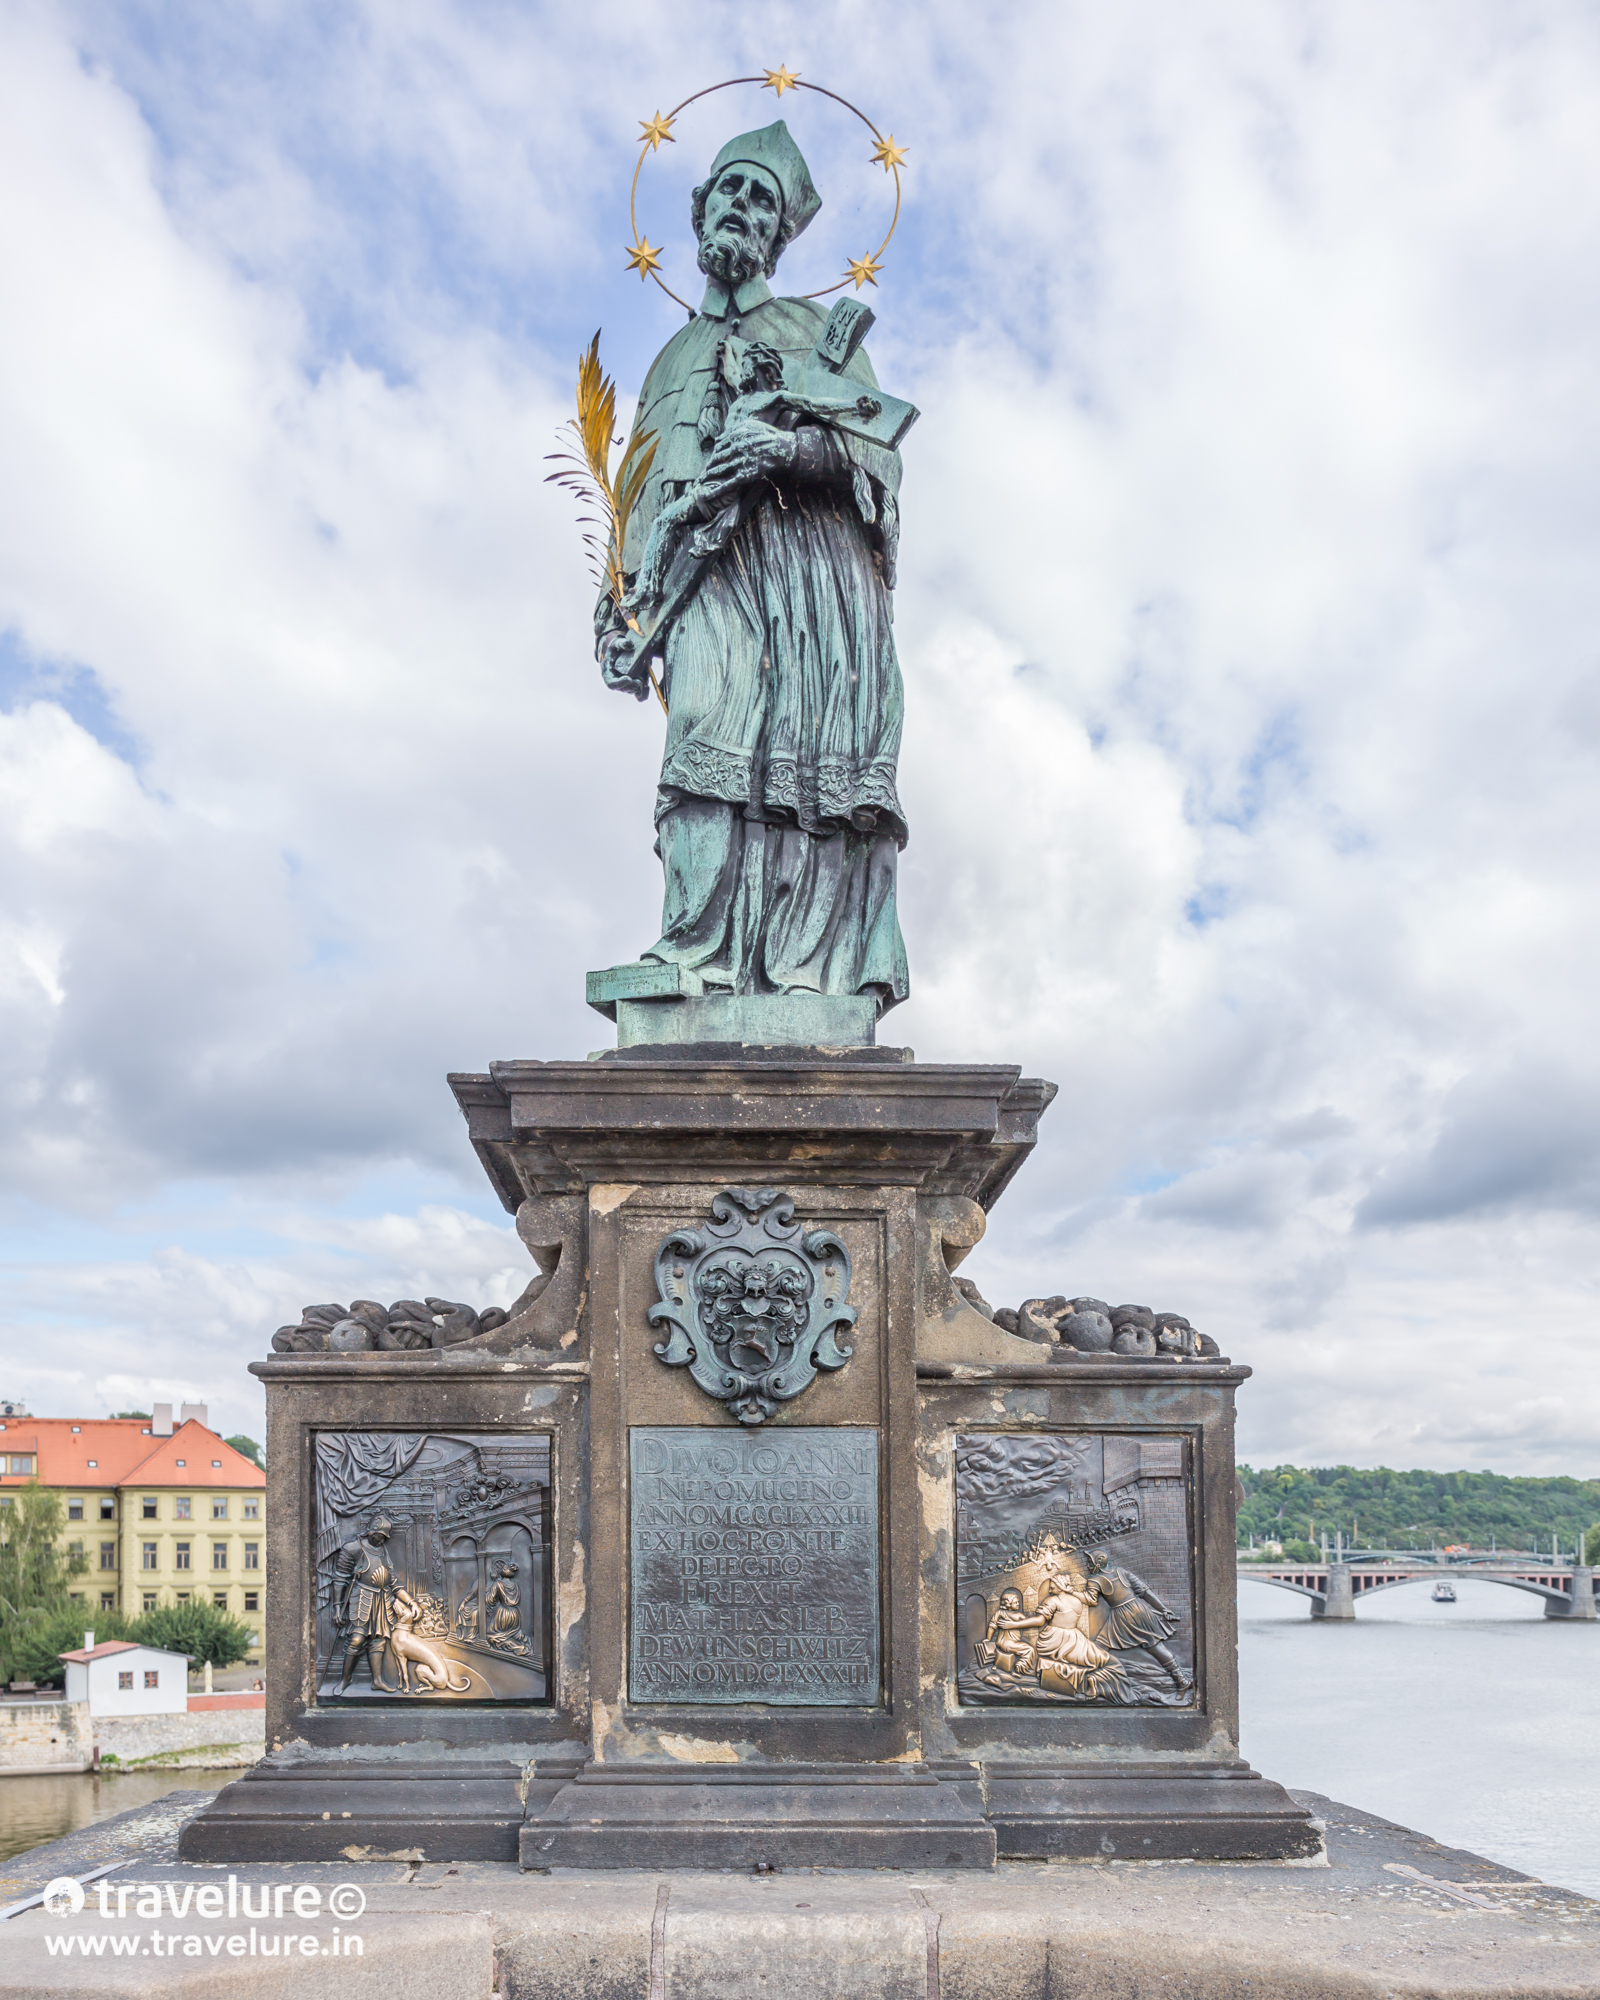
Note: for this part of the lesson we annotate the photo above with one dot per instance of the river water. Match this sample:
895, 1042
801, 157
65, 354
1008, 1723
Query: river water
38, 1809
1477, 1723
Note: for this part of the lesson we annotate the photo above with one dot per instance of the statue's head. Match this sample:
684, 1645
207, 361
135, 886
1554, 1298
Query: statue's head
1097, 1562
752, 205
380, 1530
1011, 1600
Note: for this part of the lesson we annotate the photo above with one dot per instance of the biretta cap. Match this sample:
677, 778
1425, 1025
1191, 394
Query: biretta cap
773, 150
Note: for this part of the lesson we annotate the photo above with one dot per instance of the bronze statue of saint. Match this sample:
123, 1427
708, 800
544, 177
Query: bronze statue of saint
777, 818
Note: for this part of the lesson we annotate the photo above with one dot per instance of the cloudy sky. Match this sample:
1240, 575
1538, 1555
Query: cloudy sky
1249, 613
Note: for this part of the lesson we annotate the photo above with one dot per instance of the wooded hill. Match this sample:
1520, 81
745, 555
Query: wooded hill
1384, 1509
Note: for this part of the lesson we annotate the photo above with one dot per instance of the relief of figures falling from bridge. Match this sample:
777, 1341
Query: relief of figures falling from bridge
1073, 1565
432, 1566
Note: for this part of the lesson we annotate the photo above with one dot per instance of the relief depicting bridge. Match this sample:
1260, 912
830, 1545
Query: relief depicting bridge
1567, 1590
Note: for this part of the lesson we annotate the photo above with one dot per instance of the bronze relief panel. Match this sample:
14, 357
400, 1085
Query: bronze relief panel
432, 1566
1074, 1569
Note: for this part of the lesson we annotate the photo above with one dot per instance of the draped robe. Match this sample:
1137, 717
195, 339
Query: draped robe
777, 819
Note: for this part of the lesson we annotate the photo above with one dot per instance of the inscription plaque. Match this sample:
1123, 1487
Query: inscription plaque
754, 1567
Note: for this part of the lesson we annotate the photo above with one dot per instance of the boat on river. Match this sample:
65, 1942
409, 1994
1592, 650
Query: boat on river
1444, 1593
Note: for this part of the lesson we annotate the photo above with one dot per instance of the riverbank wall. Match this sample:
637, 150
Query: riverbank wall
39, 1737
44, 1738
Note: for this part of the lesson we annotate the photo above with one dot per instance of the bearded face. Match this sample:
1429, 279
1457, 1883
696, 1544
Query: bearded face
738, 221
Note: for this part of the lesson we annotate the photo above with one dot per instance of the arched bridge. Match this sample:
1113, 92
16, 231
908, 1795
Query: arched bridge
1334, 1587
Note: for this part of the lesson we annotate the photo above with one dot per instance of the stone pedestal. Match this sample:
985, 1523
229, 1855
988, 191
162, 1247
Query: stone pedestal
796, 1481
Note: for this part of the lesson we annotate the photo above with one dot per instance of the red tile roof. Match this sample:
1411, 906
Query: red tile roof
125, 1454
106, 1646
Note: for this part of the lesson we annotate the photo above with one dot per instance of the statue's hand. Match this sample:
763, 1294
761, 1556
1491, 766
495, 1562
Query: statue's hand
620, 669
749, 451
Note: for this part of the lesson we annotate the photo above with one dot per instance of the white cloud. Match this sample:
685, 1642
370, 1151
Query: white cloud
1247, 615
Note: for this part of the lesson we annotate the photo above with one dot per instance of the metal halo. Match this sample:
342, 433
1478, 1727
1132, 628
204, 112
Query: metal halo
639, 244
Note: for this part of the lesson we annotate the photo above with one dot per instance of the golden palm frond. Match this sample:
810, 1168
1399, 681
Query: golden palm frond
587, 473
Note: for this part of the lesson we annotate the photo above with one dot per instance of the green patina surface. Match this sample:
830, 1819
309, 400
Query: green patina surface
757, 1020
778, 819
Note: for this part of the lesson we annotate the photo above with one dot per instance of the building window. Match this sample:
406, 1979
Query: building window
108, 1555
220, 1599
74, 1510
219, 1509
149, 1600
252, 1600
74, 1596
108, 1600
148, 1559
124, 1680
216, 1465
255, 1640
152, 1679
252, 1555
74, 1548
180, 1508
252, 1510
17, 1463
181, 1596
92, 1463
108, 1507
219, 1555
147, 1506
180, 1462
180, 1558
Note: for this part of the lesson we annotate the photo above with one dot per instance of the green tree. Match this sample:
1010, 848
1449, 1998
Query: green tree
1413, 1509
1591, 1544
142, 1415
247, 1448
37, 1618
200, 1630
32, 1652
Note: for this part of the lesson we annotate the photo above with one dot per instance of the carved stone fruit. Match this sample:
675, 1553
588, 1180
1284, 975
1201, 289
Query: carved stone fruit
1131, 1338
351, 1336
1088, 1332
1033, 1323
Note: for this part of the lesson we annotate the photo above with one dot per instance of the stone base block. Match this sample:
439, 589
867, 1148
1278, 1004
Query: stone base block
754, 1020
1236, 1815
723, 1816
364, 1810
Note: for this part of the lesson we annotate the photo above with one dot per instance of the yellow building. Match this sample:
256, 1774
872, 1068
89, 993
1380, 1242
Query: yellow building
162, 1512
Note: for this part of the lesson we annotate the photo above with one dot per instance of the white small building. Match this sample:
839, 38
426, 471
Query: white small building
120, 1678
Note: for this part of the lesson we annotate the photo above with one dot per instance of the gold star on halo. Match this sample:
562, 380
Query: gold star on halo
863, 270
643, 259
653, 130
888, 155
781, 80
